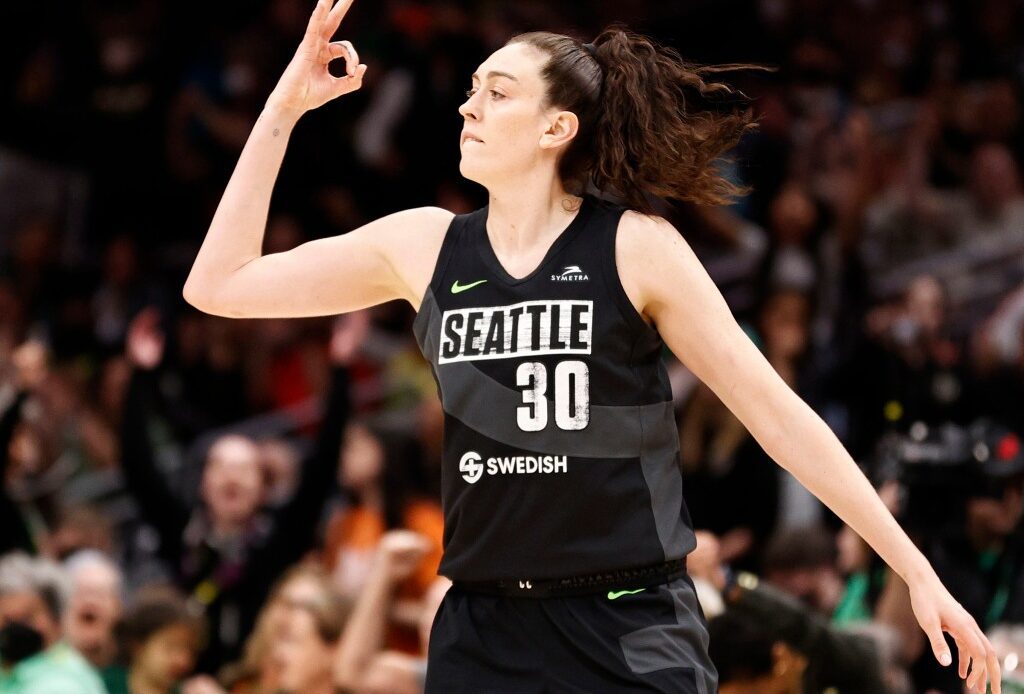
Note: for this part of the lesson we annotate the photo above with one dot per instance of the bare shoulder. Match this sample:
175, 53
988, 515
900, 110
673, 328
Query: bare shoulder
411, 245
644, 247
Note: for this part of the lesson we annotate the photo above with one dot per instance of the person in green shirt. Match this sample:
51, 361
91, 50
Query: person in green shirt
33, 658
160, 641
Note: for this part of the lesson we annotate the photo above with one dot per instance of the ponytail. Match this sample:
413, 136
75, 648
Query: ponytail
638, 135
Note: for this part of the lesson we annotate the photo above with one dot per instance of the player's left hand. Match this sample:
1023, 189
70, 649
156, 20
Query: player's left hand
938, 612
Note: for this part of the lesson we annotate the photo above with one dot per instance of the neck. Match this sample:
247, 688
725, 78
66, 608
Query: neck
224, 528
372, 497
522, 217
322, 685
139, 684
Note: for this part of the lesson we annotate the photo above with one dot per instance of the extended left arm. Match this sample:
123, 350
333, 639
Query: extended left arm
661, 273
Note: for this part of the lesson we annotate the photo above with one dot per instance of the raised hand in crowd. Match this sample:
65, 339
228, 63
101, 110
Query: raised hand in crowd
30, 362
347, 335
30, 371
400, 552
144, 343
398, 555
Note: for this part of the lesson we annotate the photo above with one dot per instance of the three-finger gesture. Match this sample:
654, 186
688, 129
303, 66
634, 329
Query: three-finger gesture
307, 83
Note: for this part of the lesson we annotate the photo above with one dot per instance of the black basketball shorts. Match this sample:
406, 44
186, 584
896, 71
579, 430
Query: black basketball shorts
623, 640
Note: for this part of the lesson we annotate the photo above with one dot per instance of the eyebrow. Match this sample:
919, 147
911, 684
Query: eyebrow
496, 73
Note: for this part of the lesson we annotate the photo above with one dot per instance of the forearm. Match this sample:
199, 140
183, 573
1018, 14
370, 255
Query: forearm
143, 480
364, 632
8, 423
235, 236
15, 535
798, 440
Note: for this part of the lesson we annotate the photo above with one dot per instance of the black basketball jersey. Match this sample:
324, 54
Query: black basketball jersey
561, 453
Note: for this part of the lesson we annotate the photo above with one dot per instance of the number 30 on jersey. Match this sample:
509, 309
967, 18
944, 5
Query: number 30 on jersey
571, 395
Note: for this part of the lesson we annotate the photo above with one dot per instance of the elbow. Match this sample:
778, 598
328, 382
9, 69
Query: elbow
194, 297
201, 299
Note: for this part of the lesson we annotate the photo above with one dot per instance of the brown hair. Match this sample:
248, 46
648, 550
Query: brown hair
157, 607
637, 134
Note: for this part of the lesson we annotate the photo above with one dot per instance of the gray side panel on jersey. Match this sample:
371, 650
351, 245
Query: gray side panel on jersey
425, 318
683, 644
664, 478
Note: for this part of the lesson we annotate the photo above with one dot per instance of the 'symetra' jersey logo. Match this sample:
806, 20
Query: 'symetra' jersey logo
572, 273
526, 329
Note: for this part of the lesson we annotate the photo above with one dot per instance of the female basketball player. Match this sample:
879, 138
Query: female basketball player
542, 315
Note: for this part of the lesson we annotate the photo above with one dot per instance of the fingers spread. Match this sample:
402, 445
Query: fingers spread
334, 18
994, 670
964, 658
978, 678
316, 20
933, 629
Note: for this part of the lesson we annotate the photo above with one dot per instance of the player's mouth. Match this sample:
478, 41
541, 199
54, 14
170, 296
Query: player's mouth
468, 137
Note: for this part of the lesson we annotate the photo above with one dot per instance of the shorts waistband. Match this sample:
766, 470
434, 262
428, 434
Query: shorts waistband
632, 578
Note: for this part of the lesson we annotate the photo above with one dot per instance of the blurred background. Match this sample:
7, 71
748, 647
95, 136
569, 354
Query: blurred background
197, 504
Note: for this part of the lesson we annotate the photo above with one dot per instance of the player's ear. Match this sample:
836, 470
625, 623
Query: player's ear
562, 128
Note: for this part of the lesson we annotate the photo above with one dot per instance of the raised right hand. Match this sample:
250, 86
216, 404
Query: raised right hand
306, 83
401, 551
144, 342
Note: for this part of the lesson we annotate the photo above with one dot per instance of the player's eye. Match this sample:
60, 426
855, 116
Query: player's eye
494, 94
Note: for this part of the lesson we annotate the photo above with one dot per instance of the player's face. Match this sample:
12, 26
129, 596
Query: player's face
505, 116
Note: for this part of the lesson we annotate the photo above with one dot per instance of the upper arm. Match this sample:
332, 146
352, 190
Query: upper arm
390, 258
669, 284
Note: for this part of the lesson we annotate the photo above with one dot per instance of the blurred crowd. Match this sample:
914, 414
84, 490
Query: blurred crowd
204, 505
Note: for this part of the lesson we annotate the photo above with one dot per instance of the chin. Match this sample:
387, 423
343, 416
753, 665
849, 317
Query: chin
468, 172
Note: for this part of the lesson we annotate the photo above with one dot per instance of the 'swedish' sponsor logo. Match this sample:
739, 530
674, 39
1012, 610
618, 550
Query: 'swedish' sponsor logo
472, 465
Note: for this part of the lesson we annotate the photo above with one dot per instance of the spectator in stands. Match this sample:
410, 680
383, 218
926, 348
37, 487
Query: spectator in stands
257, 672
363, 662
94, 606
227, 553
33, 656
160, 640
375, 476
802, 563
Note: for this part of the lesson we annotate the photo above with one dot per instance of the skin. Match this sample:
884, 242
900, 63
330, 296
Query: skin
163, 660
785, 678
522, 139
28, 608
232, 484
304, 659
93, 609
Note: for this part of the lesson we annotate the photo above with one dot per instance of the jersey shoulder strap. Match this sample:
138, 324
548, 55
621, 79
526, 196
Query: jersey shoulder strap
454, 238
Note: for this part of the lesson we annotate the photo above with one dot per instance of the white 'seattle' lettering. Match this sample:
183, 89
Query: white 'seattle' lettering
525, 329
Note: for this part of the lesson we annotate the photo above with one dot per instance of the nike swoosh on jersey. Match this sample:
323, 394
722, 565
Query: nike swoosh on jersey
456, 287
612, 595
